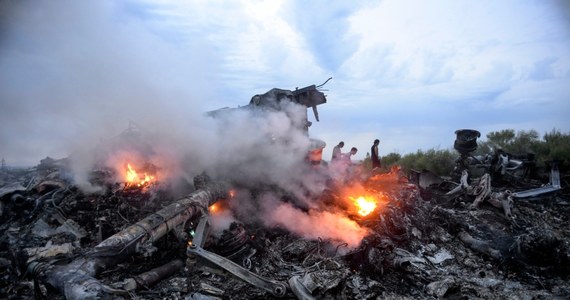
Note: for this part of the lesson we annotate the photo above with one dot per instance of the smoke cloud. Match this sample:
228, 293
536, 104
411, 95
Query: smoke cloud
97, 69
315, 224
75, 72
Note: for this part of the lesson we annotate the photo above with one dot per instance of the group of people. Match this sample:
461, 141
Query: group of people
338, 156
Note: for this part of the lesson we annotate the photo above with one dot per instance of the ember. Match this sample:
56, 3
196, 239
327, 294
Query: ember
214, 208
362, 201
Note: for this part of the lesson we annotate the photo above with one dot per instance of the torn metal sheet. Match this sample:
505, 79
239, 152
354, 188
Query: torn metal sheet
48, 251
315, 284
276, 288
552, 186
11, 189
198, 257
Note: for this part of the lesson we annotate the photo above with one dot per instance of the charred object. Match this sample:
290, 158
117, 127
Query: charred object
501, 168
58, 242
277, 99
77, 279
310, 96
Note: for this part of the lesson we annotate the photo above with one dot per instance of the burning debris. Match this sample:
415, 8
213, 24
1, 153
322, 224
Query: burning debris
318, 234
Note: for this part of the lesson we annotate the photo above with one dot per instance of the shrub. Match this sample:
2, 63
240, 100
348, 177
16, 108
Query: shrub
439, 161
390, 159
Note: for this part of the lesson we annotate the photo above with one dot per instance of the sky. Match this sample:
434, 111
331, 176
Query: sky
409, 73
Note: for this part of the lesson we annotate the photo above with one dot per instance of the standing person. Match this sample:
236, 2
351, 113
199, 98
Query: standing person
336, 155
349, 170
374, 155
349, 154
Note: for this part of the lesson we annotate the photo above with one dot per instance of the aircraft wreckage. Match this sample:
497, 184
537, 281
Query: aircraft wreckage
416, 235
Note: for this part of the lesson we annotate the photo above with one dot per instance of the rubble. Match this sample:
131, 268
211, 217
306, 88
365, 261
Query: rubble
417, 248
499, 235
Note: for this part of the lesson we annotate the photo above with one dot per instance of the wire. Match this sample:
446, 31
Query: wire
318, 86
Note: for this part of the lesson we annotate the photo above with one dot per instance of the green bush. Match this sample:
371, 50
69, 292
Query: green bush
520, 143
555, 146
390, 159
387, 161
439, 161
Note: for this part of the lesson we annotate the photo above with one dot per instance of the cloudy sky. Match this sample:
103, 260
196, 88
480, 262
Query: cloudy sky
407, 72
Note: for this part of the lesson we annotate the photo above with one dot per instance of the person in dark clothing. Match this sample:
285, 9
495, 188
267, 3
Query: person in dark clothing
374, 155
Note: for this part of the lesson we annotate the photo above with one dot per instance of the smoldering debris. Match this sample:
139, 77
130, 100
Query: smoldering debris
60, 242
261, 226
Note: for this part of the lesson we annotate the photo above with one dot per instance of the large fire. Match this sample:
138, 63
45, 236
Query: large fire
134, 179
363, 199
365, 205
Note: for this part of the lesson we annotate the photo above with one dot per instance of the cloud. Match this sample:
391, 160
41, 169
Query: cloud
323, 27
258, 47
395, 64
543, 69
446, 65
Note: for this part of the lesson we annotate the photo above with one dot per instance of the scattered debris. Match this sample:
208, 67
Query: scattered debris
425, 237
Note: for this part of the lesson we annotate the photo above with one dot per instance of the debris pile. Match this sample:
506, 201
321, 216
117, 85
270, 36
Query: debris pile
324, 231
425, 237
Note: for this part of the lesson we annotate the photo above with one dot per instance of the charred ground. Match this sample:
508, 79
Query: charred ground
423, 243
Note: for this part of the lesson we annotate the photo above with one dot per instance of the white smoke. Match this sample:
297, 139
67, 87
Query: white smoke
313, 224
95, 67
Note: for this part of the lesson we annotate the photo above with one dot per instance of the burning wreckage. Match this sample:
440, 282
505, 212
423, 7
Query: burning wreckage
363, 235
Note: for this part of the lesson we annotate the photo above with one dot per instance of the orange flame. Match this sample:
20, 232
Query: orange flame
365, 205
134, 179
213, 208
